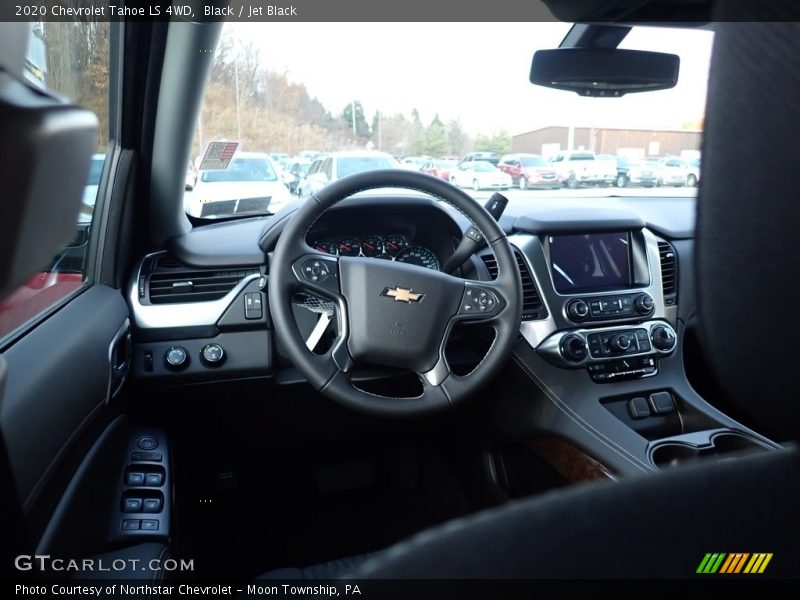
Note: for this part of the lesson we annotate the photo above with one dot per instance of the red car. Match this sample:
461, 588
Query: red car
530, 171
439, 168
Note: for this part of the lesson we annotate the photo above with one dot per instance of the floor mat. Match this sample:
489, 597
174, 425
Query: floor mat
239, 517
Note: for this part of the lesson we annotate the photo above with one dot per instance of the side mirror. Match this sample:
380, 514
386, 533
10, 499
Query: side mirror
604, 72
189, 187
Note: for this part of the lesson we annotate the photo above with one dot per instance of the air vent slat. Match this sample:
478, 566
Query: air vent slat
532, 306
669, 271
171, 282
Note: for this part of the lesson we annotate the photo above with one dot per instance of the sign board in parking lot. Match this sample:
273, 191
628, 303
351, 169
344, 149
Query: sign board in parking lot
218, 155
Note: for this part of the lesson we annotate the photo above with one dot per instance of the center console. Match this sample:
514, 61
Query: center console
604, 352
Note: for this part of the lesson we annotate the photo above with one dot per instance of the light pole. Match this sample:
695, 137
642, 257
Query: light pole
238, 114
353, 114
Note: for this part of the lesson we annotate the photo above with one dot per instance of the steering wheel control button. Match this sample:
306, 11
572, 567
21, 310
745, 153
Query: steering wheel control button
662, 403
663, 338
315, 271
638, 408
253, 305
577, 310
176, 358
212, 355
147, 443
478, 300
573, 348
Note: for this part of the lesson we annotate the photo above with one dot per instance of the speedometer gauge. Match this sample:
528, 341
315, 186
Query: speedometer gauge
418, 255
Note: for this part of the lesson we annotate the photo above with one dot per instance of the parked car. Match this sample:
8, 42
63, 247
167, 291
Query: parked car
279, 158
439, 168
490, 157
480, 175
310, 154
191, 175
576, 167
529, 171
673, 171
693, 179
302, 185
296, 171
342, 164
635, 172
250, 185
414, 163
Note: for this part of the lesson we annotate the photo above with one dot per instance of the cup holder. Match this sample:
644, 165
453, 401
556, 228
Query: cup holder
722, 445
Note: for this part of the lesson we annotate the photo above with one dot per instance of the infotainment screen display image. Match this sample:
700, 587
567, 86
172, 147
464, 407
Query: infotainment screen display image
590, 262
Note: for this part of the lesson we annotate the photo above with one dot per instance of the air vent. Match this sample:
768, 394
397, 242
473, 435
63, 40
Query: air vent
532, 307
669, 272
170, 282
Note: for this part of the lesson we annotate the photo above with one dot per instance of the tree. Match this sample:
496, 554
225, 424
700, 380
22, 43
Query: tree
361, 126
394, 132
499, 142
435, 142
458, 141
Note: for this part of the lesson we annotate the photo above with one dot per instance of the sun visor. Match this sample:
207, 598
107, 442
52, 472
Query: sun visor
46, 152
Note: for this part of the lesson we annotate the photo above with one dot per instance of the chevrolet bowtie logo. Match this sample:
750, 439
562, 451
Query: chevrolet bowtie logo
402, 295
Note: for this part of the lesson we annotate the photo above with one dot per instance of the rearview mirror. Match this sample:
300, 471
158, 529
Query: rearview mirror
604, 72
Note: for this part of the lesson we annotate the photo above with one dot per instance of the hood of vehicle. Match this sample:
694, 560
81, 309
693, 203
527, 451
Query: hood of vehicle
237, 190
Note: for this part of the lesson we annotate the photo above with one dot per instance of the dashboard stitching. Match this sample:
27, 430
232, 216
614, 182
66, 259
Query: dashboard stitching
576, 418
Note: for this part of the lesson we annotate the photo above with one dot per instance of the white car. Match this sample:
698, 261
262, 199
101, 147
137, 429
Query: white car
342, 164
480, 175
249, 186
414, 163
673, 171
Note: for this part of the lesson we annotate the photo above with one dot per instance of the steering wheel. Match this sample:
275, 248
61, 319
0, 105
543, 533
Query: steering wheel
390, 313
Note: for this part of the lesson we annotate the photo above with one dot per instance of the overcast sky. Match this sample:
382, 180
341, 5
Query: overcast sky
476, 72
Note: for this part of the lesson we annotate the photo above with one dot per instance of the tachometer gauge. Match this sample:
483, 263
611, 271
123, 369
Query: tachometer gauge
348, 247
372, 246
420, 256
394, 243
325, 246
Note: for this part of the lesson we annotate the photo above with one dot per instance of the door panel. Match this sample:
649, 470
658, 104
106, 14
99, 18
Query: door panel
58, 378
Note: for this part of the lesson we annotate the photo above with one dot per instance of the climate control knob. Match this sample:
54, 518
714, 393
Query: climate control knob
663, 337
644, 304
620, 343
573, 348
176, 358
577, 310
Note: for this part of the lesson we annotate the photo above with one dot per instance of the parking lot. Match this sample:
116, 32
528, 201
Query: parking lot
590, 192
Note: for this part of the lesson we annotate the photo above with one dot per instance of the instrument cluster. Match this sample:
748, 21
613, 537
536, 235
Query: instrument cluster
389, 247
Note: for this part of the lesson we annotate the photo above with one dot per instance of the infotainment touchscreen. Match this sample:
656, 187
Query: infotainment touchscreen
590, 262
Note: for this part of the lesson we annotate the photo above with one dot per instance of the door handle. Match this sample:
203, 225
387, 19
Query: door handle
119, 360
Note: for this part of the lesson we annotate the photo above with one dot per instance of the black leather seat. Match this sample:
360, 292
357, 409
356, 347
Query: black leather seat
662, 525
334, 569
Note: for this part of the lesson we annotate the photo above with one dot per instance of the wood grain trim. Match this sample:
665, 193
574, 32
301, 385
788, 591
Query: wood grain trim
570, 461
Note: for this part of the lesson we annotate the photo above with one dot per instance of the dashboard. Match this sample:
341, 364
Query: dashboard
583, 265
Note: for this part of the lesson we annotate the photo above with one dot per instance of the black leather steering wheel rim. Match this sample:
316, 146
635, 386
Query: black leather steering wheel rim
367, 285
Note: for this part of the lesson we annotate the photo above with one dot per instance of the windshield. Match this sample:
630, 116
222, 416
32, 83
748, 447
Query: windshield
337, 97
357, 164
242, 169
482, 166
96, 170
533, 161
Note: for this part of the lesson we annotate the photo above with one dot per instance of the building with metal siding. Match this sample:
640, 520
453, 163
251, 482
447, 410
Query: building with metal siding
632, 142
